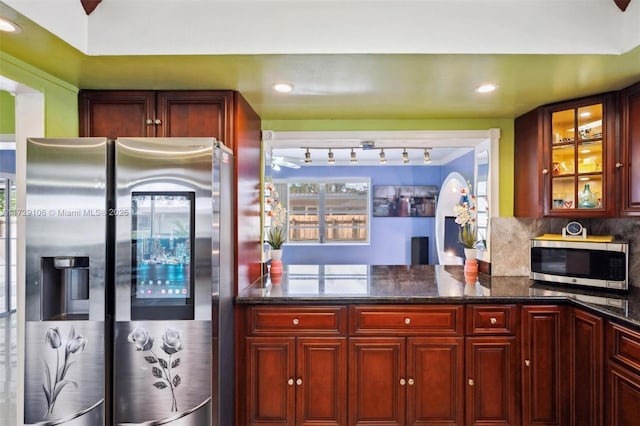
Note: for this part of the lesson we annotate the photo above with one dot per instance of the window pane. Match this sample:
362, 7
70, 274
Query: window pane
304, 205
346, 211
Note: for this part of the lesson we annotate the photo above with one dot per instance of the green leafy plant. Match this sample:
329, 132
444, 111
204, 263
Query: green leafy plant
276, 237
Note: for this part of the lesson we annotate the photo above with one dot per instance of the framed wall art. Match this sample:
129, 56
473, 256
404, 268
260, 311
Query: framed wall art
404, 201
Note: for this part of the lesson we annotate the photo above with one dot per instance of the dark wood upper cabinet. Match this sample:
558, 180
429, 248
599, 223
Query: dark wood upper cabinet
629, 165
117, 113
564, 159
178, 113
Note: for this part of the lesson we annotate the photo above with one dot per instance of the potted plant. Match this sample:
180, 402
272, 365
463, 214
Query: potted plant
276, 237
465, 212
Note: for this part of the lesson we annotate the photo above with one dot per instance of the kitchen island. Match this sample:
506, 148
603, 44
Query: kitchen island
325, 343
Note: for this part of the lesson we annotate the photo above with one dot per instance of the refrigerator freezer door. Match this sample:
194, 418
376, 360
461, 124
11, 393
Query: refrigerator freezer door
65, 233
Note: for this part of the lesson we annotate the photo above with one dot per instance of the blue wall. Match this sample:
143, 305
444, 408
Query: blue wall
8, 161
390, 236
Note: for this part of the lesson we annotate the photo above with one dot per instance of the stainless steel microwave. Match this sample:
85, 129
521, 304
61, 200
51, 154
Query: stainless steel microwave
594, 264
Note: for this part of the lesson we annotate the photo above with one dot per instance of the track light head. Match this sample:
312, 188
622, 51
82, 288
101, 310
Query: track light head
405, 156
307, 156
427, 156
354, 160
331, 159
383, 158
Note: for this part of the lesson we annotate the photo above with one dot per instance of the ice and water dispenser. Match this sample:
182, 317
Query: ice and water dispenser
65, 288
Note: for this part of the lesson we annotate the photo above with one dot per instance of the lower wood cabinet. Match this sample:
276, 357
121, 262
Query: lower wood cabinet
406, 381
428, 365
543, 358
492, 374
296, 381
492, 366
623, 376
586, 368
624, 396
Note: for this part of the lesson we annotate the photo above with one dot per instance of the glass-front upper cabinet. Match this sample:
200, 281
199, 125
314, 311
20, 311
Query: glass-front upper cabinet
580, 150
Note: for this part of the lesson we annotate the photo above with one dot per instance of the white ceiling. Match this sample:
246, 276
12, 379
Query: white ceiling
156, 27
348, 59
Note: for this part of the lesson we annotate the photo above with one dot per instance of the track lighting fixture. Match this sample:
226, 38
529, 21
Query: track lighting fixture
351, 154
383, 158
405, 156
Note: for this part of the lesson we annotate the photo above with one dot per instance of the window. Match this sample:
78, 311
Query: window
326, 212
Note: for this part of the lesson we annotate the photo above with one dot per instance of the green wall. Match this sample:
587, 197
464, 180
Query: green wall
506, 139
61, 120
7, 113
60, 98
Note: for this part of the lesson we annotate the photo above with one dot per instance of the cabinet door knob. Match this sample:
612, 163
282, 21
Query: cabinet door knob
403, 382
149, 121
493, 321
157, 121
545, 171
527, 362
290, 382
296, 321
471, 382
411, 381
407, 321
299, 382
619, 165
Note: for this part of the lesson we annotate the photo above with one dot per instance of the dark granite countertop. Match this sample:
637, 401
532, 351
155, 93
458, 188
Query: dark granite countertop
349, 284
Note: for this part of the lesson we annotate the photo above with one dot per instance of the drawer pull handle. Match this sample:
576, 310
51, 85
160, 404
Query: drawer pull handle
411, 382
299, 382
296, 321
290, 382
527, 362
471, 382
407, 321
493, 321
403, 382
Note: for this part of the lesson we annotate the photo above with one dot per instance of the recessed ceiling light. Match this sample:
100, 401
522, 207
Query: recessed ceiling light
8, 26
283, 87
486, 88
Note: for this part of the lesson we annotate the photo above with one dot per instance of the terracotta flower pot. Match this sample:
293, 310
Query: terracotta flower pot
471, 271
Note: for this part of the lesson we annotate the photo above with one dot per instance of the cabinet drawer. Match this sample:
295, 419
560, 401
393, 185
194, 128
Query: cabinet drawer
328, 320
433, 320
624, 345
492, 319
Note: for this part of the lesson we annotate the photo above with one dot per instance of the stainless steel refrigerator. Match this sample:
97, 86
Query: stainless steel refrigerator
129, 282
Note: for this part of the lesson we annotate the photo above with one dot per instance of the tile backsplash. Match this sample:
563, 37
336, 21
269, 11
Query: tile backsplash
510, 241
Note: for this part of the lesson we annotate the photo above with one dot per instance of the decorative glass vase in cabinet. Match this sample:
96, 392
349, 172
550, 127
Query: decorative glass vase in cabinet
587, 199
